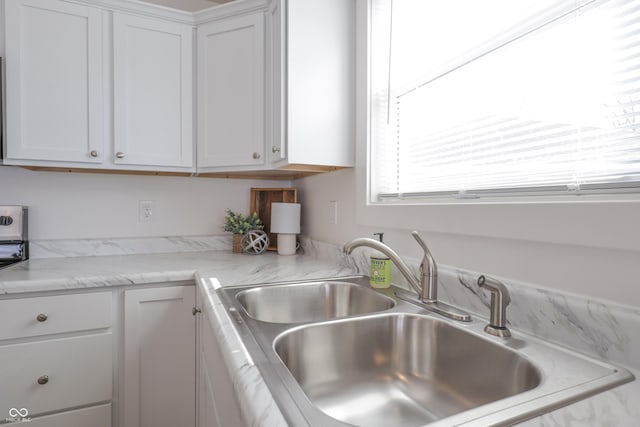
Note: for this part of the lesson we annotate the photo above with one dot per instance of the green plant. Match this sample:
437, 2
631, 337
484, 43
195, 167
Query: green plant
237, 223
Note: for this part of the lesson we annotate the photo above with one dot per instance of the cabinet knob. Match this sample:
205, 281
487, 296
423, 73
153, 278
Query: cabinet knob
93, 153
42, 317
256, 155
275, 149
43, 379
120, 155
195, 311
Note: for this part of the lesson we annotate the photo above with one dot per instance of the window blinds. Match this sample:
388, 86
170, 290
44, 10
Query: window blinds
504, 97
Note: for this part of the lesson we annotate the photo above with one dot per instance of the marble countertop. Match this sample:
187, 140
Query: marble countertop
210, 269
54, 274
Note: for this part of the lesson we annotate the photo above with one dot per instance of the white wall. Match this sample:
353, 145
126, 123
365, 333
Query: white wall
81, 206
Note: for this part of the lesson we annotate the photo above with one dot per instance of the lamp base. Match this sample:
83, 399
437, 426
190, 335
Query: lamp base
286, 244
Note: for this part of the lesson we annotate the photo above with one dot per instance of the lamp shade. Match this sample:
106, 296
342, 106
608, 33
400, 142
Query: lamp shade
285, 218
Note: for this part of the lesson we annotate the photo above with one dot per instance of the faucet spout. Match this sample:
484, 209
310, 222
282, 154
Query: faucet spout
393, 256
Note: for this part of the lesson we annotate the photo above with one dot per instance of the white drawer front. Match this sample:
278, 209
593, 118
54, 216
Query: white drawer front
78, 370
96, 416
29, 317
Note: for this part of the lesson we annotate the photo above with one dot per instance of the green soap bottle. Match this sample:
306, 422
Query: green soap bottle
379, 268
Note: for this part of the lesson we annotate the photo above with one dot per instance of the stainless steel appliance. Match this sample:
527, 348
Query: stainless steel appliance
14, 244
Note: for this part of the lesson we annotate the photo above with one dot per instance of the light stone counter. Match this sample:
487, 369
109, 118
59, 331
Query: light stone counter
54, 274
599, 329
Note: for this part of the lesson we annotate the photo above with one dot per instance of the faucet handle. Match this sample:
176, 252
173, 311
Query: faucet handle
428, 272
421, 242
428, 258
500, 299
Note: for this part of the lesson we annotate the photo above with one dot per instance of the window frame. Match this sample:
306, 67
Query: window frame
543, 194
593, 220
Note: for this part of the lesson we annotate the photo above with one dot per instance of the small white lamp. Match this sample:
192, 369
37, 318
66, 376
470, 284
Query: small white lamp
285, 221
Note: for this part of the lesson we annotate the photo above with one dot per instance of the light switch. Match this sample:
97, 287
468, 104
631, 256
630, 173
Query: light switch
333, 212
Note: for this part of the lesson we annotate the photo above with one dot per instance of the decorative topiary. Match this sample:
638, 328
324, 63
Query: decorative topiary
237, 223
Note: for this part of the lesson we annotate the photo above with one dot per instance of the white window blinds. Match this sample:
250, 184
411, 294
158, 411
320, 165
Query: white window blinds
504, 97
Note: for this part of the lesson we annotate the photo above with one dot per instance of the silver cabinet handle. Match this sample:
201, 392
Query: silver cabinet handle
42, 317
256, 155
275, 149
43, 379
93, 153
120, 155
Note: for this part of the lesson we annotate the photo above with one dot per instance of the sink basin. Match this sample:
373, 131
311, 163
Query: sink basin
337, 353
400, 369
311, 302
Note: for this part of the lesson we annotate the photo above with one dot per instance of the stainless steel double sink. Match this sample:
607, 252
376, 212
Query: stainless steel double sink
336, 352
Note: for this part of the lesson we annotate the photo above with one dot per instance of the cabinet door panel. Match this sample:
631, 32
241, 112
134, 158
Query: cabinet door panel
159, 348
54, 81
219, 406
152, 92
78, 370
62, 313
231, 92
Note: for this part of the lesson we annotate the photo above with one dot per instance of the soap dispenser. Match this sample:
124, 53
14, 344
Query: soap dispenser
379, 268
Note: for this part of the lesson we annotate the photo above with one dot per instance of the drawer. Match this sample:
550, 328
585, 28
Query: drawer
78, 372
96, 416
27, 317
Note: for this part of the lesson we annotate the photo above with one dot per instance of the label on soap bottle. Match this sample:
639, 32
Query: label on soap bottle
380, 272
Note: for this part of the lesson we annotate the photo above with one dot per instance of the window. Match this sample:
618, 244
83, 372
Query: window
504, 97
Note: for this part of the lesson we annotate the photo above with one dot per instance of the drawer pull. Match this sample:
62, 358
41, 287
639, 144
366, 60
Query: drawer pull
43, 379
42, 317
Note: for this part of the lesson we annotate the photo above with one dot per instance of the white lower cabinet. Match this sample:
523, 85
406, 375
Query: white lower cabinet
56, 356
217, 404
63, 356
159, 357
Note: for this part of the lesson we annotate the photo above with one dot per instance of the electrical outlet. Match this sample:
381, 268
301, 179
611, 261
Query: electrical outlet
145, 210
333, 212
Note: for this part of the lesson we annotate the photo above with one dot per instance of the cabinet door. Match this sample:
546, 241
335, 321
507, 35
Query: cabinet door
231, 92
217, 402
320, 76
159, 357
152, 92
54, 81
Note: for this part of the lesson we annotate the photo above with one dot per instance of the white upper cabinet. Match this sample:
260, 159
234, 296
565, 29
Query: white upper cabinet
89, 87
54, 67
111, 86
311, 83
152, 76
231, 93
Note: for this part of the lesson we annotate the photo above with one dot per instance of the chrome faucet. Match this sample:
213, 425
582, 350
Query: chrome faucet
426, 286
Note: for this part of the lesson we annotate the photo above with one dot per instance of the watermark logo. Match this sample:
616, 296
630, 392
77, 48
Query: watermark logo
18, 415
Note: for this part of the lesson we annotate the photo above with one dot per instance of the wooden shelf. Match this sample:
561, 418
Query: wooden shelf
261, 199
